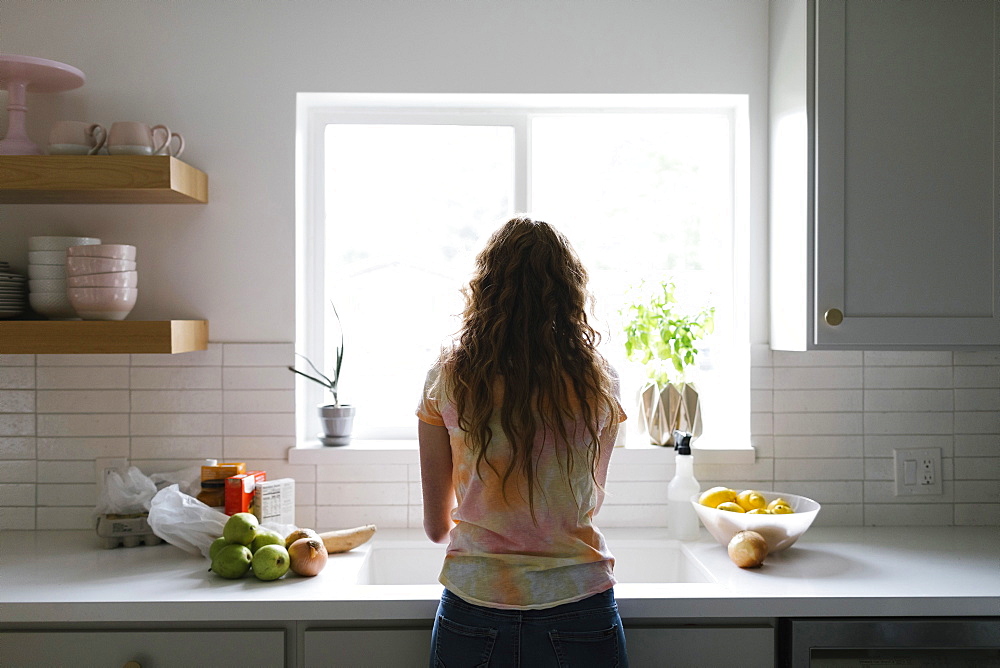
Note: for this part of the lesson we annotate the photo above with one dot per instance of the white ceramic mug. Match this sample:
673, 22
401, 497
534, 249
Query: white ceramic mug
76, 138
163, 139
131, 138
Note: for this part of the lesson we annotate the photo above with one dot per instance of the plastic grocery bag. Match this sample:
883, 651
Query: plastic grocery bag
125, 494
184, 521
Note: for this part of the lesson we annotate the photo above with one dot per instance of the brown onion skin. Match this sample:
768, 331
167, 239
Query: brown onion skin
307, 556
747, 549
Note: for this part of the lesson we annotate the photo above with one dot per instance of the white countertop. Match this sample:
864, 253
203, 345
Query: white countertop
65, 577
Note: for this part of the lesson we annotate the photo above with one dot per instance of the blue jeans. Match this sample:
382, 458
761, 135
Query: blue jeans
585, 633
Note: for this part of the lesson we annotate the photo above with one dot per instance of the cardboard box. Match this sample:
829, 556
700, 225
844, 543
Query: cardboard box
240, 490
274, 501
213, 482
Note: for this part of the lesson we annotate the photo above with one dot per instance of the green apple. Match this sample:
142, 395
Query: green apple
270, 562
232, 561
216, 545
241, 528
266, 537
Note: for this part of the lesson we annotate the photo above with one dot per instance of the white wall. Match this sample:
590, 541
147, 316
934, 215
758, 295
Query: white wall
224, 73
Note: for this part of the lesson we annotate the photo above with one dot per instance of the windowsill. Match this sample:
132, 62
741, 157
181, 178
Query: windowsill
404, 451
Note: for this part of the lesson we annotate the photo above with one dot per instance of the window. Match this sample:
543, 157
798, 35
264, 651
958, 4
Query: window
399, 193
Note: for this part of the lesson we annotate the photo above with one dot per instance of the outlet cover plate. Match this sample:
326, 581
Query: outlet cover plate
918, 471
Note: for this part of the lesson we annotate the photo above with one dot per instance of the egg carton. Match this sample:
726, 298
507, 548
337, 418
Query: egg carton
125, 530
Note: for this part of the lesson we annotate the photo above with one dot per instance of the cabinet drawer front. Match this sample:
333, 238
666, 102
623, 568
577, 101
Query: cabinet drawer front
159, 649
361, 648
743, 646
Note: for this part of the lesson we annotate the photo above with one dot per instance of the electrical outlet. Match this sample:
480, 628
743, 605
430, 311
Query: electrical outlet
104, 466
918, 471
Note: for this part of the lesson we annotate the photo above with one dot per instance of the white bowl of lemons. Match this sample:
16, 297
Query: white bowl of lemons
777, 516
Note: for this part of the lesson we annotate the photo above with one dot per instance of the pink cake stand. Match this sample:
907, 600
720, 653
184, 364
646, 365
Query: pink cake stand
18, 74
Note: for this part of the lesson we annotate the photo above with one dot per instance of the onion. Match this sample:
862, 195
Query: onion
747, 549
308, 556
297, 534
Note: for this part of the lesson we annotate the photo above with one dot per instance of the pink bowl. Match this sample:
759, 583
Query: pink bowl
113, 251
79, 266
114, 279
102, 303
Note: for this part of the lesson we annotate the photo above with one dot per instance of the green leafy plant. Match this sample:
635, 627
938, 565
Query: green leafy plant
661, 337
330, 384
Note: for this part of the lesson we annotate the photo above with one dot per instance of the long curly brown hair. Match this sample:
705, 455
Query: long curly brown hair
527, 350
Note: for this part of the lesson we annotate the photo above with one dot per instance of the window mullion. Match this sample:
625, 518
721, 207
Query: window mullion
522, 163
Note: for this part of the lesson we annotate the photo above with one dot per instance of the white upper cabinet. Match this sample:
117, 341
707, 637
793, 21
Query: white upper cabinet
884, 187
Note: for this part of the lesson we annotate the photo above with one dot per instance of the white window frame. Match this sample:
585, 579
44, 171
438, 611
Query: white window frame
316, 110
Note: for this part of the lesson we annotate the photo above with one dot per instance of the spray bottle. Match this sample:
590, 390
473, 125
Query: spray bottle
682, 522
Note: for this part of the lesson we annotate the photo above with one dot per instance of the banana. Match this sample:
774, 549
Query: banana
347, 539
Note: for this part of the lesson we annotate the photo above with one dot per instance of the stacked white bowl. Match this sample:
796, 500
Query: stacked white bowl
102, 283
47, 275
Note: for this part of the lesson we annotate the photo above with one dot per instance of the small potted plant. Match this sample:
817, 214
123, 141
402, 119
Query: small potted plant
337, 418
665, 340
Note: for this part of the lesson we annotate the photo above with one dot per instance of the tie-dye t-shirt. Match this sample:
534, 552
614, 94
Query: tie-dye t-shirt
498, 556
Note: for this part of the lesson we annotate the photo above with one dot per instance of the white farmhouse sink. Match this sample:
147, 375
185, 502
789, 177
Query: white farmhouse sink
412, 563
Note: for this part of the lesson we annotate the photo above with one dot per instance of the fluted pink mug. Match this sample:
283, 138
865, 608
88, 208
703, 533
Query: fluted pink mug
131, 138
76, 138
163, 138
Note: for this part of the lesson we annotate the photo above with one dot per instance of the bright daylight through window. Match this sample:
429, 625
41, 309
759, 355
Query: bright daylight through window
403, 196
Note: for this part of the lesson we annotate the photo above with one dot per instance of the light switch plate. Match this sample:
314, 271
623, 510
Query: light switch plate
918, 471
104, 466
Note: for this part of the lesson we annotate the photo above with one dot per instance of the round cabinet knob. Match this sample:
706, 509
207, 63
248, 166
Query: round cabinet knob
834, 317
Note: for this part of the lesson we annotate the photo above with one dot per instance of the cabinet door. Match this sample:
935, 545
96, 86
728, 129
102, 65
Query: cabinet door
162, 649
906, 235
697, 647
883, 199
364, 648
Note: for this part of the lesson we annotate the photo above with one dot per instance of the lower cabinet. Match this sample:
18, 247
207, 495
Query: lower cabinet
700, 646
360, 648
144, 649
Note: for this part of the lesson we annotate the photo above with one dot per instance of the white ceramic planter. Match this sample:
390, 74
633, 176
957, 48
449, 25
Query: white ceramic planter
337, 424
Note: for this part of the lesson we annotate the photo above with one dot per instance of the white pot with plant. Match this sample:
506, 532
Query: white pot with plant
664, 339
337, 418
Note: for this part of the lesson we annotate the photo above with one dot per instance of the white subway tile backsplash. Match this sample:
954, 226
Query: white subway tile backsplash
77, 447
824, 424
908, 358
83, 360
17, 377
17, 494
67, 471
16, 360
259, 401
17, 447
83, 424
19, 471
176, 447
17, 424
817, 401
210, 357
176, 378
83, 401
67, 495
14, 518
17, 401
257, 378
83, 378
176, 401
258, 354
903, 377
259, 424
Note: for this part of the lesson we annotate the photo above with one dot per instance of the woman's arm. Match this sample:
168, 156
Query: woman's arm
436, 480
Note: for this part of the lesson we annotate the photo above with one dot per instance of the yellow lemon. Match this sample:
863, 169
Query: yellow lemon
777, 502
782, 509
759, 511
716, 495
731, 506
750, 499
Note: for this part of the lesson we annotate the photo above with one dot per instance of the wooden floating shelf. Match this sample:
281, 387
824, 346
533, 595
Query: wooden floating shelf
38, 337
100, 179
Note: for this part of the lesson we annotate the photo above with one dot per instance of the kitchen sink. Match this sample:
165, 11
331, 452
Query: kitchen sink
408, 563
